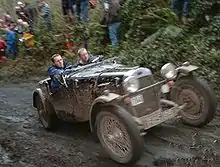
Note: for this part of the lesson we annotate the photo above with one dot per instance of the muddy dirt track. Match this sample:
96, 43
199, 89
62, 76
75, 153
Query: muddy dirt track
24, 143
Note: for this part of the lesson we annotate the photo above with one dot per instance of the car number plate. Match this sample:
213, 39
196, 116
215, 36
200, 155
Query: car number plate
137, 100
165, 88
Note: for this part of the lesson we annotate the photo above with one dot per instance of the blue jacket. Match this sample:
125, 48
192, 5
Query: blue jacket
11, 41
54, 70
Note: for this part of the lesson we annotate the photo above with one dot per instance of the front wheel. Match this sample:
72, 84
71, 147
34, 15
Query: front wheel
119, 135
200, 100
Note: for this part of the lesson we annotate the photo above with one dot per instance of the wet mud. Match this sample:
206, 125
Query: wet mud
24, 142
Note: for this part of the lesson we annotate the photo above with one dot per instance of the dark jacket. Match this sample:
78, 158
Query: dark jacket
67, 4
30, 13
53, 71
113, 14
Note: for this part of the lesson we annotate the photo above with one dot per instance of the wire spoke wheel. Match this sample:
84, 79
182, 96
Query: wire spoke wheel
119, 135
115, 136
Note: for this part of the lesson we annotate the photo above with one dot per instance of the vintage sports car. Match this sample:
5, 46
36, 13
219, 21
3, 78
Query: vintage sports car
121, 103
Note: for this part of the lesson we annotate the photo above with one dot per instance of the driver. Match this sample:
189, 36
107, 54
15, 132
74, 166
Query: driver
58, 68
85, 57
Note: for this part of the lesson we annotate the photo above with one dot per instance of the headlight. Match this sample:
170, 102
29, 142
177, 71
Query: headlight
131, 84
168, 71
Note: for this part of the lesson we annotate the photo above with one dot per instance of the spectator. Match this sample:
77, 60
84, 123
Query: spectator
111, 18
67, 8
77, 9
46, 14
22, 27
20, 13
181, 9
19, 28
27, 13
2, 23
84, 10
30, 12
11, 43
7, 19
18, 10
2, 51
73, 7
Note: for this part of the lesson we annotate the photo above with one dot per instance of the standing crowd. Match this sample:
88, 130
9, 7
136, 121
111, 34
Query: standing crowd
27, 17
75, 10
23, 26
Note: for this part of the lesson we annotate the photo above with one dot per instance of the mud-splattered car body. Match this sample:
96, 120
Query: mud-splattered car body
106, 92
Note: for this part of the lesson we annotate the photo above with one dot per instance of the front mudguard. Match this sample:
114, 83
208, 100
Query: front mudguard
109, 98
186, 69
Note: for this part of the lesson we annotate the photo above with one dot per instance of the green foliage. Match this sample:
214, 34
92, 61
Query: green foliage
201, 49
142, 18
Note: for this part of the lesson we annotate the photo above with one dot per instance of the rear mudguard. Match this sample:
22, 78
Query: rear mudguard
37, 92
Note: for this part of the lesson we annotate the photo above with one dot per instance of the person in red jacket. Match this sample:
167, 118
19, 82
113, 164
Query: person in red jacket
2, 51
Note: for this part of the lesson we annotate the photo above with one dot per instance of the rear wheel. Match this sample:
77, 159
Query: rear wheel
119, 135
46, 113
200, 100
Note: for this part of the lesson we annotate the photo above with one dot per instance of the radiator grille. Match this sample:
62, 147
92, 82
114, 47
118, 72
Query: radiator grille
151, 98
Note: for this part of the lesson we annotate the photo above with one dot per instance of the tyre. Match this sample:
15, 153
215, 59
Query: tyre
200, 99
119, 135
47, 115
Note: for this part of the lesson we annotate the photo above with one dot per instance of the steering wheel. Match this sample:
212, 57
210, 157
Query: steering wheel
61, 78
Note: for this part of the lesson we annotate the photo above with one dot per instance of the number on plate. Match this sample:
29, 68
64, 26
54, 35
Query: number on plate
136, 100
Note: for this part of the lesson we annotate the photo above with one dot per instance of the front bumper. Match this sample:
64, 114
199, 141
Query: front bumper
159, 116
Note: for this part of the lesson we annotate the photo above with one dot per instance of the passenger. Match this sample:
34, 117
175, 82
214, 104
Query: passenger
84, 57
59, 67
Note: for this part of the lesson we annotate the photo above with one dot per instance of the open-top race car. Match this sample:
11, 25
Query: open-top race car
122, 102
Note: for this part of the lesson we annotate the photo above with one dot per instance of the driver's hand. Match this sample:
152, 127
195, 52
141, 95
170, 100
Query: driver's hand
57, 76
67, 71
